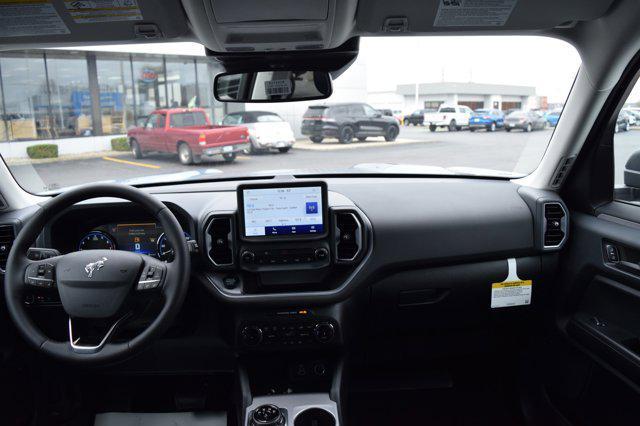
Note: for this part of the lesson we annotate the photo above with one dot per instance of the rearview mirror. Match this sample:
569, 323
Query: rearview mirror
272, 86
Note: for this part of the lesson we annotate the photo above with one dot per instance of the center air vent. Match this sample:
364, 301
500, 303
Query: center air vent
219, 238
348, 236
555, 225
7, 235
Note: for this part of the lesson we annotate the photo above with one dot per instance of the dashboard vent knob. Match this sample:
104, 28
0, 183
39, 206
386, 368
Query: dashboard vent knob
220, 239
7, 235
348, 236
555, 225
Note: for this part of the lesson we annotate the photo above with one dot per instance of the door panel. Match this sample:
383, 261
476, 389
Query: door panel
598, 310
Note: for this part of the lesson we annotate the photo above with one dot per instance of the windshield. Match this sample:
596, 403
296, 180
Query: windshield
74, 116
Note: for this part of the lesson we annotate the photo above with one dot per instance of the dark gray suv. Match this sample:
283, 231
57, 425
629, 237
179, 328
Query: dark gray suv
347, 121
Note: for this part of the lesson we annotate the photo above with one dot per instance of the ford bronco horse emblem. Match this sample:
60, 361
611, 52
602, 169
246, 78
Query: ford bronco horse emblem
94, 266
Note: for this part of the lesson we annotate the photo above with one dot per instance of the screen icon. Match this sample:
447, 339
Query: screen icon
312, 207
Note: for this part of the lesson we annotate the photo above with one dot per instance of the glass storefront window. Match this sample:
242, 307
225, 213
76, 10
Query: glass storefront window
116, 94
149, 85
206, 72
24, 84
181, 83
70, 95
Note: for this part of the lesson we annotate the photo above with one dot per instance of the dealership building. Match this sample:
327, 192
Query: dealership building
408, 97
80, 99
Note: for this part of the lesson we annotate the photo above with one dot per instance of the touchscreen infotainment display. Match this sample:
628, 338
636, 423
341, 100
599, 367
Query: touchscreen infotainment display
283, 211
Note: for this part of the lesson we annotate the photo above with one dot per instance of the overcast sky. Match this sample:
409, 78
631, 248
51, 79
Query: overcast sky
549, 65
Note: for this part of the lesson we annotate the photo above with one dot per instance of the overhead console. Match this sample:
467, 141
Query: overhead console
278, 228
255, 25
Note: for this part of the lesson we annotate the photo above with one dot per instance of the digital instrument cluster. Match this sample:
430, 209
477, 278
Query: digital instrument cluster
144, 238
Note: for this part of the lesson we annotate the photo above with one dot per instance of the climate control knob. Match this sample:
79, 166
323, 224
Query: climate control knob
251, 335
248, 256
321, 253
324, 332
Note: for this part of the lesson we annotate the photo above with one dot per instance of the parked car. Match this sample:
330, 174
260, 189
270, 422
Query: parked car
634, 116
188, 133
347, 121
417, 117
525, 120
267, 130
622, 122
452, 117
490, 119
553, 116
390, 113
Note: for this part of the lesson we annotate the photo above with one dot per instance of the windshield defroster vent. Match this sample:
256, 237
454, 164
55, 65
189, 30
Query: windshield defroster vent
219, 239
7, 235
555, 225
348, 236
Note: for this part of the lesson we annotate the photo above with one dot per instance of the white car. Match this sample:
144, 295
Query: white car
453, 117
267, 130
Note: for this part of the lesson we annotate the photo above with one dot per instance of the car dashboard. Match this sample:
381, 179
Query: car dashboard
391, 257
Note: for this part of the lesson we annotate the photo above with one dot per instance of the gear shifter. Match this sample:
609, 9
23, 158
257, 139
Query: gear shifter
267, 415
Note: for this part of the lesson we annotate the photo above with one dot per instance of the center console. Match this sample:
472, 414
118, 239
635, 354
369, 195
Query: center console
282, 240
267, 247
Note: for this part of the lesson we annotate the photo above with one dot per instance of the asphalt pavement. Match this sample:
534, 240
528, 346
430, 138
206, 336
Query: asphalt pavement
513, 152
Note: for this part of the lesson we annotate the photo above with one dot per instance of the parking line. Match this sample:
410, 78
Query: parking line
132, 163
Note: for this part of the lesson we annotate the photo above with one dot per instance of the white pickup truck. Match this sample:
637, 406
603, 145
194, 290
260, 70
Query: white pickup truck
453, 117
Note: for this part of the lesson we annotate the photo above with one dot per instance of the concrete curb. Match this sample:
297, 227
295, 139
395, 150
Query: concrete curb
73, 157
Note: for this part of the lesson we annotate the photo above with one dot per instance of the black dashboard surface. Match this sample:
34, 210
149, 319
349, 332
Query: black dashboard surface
414, 222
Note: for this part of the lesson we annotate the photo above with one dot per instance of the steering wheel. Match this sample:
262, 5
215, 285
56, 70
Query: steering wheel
96, 285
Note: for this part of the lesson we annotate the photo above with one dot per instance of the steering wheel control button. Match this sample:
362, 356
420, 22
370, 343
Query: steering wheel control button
150, 278
324, 332
40, 275
267, 415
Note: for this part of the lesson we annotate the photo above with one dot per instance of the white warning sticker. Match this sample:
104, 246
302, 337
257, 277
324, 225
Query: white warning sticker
513, 291
473, 13
277, 87
89, 11
29, 18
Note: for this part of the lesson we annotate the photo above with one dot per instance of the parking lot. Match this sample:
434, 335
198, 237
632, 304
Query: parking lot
515, 151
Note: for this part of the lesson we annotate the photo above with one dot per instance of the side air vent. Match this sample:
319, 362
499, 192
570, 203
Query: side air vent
7, 235
348, 236
555, 225
219, 239
561, 172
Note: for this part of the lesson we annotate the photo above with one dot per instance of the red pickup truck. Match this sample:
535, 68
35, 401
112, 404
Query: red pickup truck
189, 133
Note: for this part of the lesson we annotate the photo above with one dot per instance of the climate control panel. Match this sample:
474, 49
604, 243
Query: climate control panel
288, 333
299, 256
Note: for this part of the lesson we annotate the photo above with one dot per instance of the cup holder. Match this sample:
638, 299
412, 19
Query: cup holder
314, 417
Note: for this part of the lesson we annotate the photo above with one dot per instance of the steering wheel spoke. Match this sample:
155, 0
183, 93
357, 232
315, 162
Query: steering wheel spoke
76, 341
